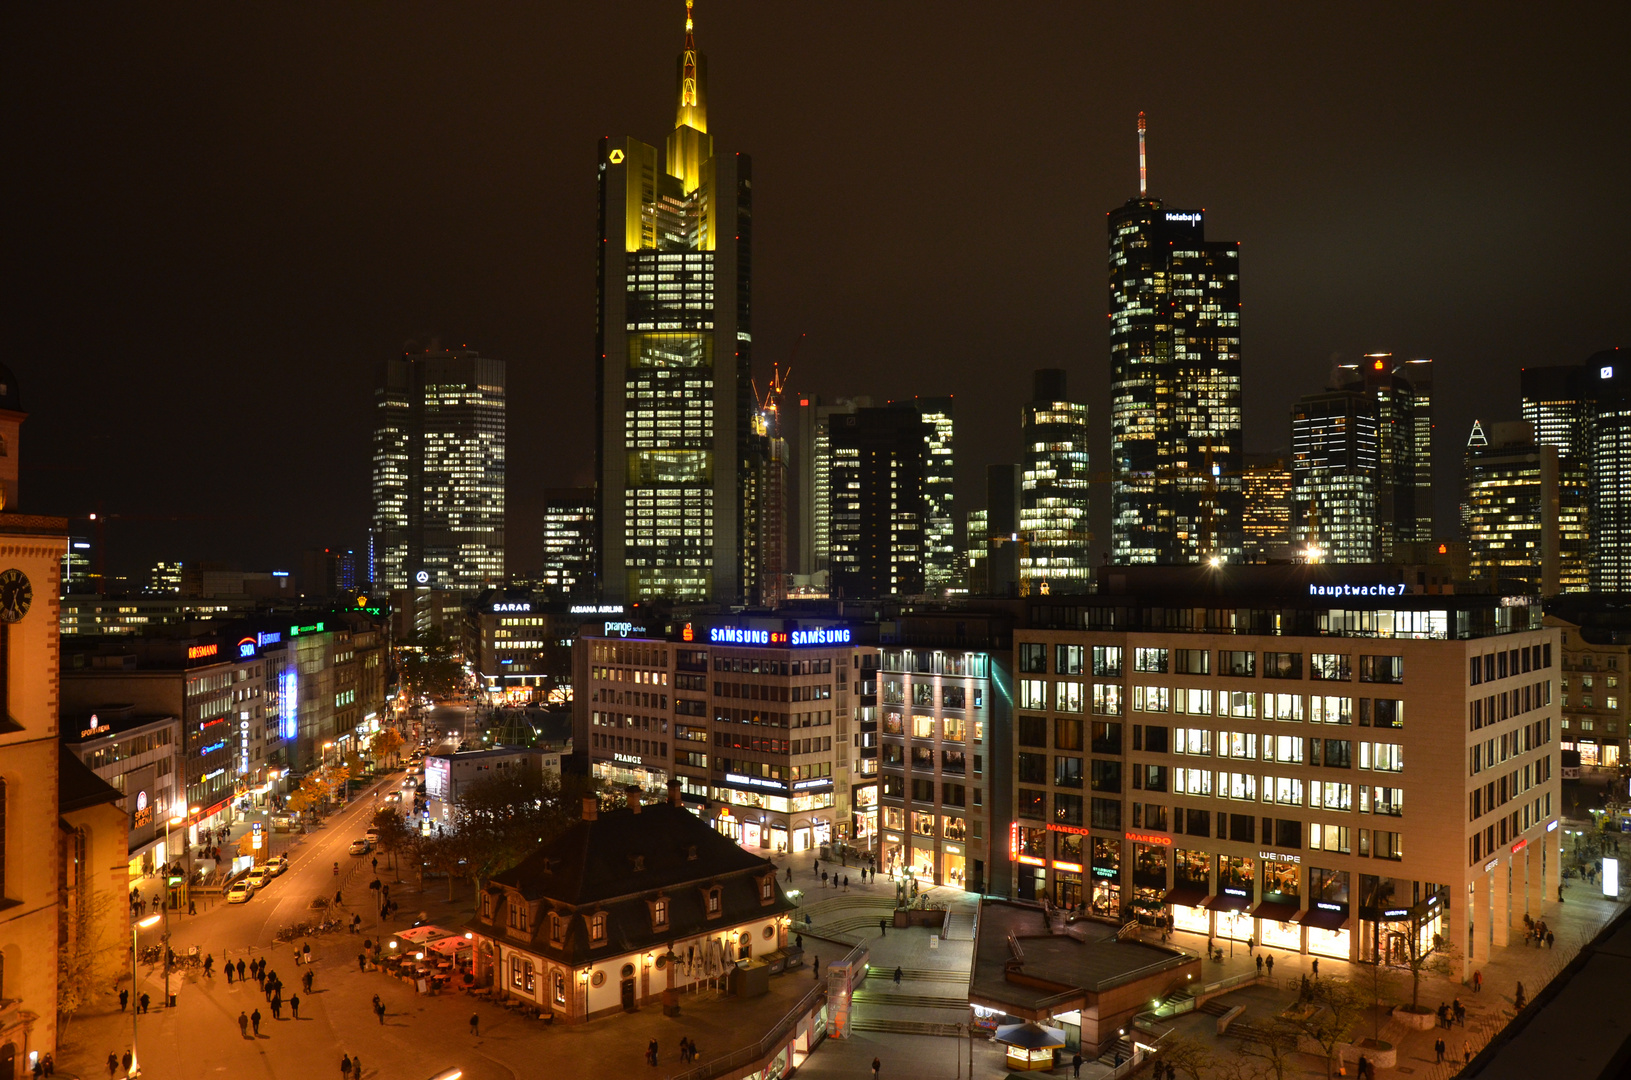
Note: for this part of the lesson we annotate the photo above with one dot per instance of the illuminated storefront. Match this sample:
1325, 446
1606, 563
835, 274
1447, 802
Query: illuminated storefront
1277, 912
1191, 888
954, 866
1236, 876
1106, 899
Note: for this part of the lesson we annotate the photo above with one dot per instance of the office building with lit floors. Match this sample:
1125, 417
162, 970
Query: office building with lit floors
1596, 633
879, 503
1056, 555
753, 716
940, 556
1333, 477
438, 471
1514, 502
673, 359
1399, 401
1266, 526
1323, 759
942, 735
1175, 423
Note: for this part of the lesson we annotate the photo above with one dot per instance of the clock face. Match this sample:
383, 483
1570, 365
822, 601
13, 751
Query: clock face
16, 594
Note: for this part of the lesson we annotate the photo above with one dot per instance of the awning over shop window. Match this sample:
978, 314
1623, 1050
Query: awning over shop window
1275, 911
1224, 901
1325, 919
1185, 897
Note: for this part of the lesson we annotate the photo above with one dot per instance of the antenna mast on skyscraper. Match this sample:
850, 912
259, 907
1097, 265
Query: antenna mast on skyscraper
1143, 187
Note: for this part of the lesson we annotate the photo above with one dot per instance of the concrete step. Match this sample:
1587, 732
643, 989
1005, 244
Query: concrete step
905, 1027
921, 1001
907, 974
1215, 1007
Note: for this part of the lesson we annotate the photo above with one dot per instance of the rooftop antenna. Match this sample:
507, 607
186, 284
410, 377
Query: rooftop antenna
1143, 187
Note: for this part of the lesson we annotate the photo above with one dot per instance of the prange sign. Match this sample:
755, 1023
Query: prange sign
1355, 590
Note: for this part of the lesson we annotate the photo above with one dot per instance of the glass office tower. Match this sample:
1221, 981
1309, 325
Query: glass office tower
676, 448
1054, 486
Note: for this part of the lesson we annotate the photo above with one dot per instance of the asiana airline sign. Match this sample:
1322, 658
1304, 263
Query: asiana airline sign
1355, 590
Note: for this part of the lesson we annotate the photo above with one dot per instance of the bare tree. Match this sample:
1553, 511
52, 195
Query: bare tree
1271, 1052
1339, 1006
1190, 1057
81, 965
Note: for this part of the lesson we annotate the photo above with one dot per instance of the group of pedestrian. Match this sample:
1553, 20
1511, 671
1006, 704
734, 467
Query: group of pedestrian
46, 1065
1450, 1014
1442, 1049
302, 954
688, 1050
351, 1065
1265, 960
1537, 933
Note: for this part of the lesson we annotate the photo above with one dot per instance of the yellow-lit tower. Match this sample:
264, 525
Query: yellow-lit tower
677, 488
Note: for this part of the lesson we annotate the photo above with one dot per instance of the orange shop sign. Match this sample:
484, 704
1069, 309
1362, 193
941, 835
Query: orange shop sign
198, 652
1141, 838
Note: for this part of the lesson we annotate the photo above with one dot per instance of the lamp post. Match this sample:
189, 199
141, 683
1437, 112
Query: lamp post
135, 998
177, 820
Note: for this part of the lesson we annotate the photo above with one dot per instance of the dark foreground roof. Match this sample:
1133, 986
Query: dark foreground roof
595, 861
79, 788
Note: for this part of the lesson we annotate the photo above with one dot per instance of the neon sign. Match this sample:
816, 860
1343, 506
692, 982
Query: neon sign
1188, 219
247, 647
512, 607
623, 629
1356, 590
597, 609
288, 702
735, 635
1079, 831
836, 635
1141, 838
314, 628
198, 652
268, 638
212, 748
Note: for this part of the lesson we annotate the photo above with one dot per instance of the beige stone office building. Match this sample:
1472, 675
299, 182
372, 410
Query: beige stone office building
1322, 758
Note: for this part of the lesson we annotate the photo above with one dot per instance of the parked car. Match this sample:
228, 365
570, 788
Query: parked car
276, 865
240, 892
358, 847
258, 877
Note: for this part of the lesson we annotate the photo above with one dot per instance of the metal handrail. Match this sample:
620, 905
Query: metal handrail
761, 1048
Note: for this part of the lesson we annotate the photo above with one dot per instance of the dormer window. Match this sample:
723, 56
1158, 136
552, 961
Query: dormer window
691, 853
597, 928
767, 889
659, 913
487, 907
715, 904
517, 910
557, 928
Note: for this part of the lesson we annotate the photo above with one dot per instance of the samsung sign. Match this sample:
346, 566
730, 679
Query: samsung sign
798, 639
735, 635
837, 635
1356, 590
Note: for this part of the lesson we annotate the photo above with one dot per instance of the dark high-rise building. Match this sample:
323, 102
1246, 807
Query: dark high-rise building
878, 502
1404, 446
675, 442
1611, 471
1333, 468
1053, 500
438, 481
940, 569
569, 544
1175, 426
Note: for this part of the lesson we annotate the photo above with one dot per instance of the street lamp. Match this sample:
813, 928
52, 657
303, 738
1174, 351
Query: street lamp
135, 998
177, 820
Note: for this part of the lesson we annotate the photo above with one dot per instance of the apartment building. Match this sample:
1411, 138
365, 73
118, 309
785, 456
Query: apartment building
753, 716
1283, 753
1596, 643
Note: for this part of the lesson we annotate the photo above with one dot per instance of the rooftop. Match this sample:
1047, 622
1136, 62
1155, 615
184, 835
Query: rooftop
1052, 972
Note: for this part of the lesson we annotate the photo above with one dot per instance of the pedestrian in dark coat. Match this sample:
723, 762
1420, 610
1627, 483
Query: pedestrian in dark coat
345, 1065
231, 971
240, 969
125, 1061
124, 999
294, 1006
113, 1063
1270, 962
475, 1023
1438, 1048
143, 1000
255, 1021
243, 1024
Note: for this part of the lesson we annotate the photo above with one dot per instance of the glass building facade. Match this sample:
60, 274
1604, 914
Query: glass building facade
1400, 402
1333, 462
678, 477
1054, 489
1175, 387
879, 471
1512, 497
569, 544
438, 471
1266, 522
940, 563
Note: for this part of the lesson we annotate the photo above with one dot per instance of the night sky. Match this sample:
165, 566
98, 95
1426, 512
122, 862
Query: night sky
220, 217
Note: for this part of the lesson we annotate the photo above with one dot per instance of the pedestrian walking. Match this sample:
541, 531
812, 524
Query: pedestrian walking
1260, 965
306, 979
1549, 939
876, 1065
1438, 1048
379, 1011
883, 927
362, 960
1459, 1011
143, 1000
294, 1006
1076, 1065
124, 999
50, 1065
113, 1063
1316, 969
209, 965
898, 974
277, 1007
255, 1021
475, 1023
345, 1065
230, 970
651, 1052
240, 969
1251, 943
1270, 962
789, 873
243, 1024
1477, 982
1466, 1053
1518, 998
846, 883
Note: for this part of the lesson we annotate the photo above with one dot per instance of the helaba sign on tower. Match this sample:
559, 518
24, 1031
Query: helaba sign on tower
1356, 590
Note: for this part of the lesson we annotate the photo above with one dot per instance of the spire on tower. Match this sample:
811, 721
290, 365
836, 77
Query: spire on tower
693, 103
1143, 187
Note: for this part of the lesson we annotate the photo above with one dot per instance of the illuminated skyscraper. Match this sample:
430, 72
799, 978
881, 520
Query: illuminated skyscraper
1054, 486
438, 481
1266, 525
1512, 509
878, 503
1400, 396
940, 569
1175, 439
809, 449
569, 544
1333, 462
1611, 471
675, 445
1558, 404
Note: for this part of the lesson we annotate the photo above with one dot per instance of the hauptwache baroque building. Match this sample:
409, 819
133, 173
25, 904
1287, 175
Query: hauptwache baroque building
1321, 758
624, 908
